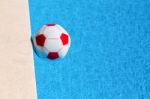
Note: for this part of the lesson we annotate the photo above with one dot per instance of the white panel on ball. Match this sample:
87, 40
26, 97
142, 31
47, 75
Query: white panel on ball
53, 45
52, 32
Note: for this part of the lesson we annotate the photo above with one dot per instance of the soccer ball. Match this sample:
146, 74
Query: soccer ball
52, 41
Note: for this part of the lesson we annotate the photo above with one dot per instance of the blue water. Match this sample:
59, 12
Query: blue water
109, 56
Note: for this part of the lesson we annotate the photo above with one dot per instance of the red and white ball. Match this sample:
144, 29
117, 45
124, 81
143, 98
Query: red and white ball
52, 41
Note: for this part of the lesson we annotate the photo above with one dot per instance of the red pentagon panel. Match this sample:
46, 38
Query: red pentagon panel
40, 39
64, 38
50, 24
53, 55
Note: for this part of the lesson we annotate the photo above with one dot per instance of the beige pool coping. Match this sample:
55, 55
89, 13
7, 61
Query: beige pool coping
17, 79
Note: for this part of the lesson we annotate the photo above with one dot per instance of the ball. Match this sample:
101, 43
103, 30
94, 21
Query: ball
52, 41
